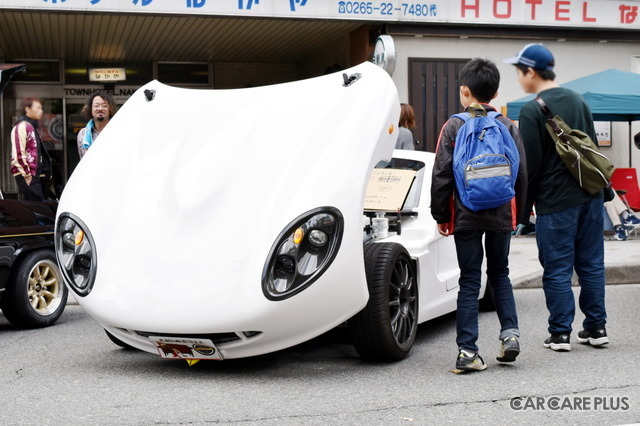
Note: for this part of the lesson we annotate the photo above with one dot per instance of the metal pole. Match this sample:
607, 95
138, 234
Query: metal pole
630, 145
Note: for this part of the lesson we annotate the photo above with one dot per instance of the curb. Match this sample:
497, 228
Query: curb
622, 273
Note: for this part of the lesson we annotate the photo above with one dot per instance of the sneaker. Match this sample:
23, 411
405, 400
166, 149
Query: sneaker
469, 362
595, 337
558, 342
631, 220
509, 349
621, 233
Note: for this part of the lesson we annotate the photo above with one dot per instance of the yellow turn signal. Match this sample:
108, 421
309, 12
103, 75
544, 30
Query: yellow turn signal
79, 237
298, 235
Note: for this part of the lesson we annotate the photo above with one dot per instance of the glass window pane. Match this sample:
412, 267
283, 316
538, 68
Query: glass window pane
38, 71
196, 74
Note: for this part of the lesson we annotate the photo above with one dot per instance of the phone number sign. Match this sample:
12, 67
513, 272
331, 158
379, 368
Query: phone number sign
559, 13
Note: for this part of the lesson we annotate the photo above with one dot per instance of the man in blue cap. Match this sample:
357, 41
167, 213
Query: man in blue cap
569, 220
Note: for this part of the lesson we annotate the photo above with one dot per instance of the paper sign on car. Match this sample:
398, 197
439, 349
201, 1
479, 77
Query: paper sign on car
387, 189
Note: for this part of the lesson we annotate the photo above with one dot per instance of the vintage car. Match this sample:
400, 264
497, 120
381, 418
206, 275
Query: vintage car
218, 224
32, 293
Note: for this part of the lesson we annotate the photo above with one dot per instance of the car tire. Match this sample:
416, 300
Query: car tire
117, 341
386, 328
35, 295
488, 301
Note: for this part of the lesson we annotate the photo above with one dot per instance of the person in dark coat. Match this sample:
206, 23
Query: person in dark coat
479, 80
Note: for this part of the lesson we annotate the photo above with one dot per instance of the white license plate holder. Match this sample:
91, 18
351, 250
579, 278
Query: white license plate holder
185, 348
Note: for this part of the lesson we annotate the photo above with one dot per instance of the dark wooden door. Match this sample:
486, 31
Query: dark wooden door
434, 95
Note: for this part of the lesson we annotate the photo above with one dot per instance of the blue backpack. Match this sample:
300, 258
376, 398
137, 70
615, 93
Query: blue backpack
485, 161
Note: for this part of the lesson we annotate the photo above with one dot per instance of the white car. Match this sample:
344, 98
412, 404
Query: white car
218, 224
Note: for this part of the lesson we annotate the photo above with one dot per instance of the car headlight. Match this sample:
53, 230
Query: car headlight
76, 253
302, 252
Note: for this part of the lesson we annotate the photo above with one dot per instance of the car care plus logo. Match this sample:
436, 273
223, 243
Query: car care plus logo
572, 403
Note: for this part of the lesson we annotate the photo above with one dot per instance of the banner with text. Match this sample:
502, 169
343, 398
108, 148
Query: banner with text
559, 13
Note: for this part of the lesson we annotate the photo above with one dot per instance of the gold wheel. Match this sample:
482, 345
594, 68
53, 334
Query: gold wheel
44, 290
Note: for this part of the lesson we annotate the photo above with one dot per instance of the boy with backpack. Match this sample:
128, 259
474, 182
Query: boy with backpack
479, 166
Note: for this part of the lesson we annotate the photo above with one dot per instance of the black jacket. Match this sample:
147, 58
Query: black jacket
443, 187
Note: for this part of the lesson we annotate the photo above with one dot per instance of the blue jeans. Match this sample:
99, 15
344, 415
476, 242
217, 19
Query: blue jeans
470, 256
566, 240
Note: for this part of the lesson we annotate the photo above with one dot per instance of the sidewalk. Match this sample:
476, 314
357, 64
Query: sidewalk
621, 258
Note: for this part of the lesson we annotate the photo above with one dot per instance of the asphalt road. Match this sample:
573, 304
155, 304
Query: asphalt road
71, 374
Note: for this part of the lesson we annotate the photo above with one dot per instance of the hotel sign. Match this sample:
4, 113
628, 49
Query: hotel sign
107, 75
618, 14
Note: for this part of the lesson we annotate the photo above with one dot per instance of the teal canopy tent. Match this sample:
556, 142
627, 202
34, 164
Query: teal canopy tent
612, 95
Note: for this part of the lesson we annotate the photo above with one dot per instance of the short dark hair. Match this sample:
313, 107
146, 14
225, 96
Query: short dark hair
86, 109
482, 78
544, 74
28, 103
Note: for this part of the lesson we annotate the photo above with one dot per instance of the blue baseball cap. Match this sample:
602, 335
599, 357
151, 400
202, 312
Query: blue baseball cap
534, 55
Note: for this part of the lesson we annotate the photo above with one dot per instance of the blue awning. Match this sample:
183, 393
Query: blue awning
612, 95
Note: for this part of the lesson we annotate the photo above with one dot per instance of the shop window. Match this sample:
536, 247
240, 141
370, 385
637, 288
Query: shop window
184, 73
38, 71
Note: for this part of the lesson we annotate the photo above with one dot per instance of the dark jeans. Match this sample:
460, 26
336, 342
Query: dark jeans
31, 192
566, 240
470, 256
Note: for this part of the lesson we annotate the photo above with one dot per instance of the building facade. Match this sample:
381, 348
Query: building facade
72, 47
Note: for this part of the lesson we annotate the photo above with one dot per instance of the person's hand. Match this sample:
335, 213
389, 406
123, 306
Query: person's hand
443, 229
28, 180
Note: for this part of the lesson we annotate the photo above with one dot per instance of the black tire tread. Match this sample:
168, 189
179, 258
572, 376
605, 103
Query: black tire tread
15, 303
370, 329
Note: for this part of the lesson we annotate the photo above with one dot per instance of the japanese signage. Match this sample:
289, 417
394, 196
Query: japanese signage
622, 14
603, 133
106, 75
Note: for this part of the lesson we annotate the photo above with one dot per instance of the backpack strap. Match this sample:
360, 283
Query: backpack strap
550, 121
545, 108
462, 116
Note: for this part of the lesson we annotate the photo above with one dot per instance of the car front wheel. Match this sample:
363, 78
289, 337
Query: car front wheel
386, 328
35, 295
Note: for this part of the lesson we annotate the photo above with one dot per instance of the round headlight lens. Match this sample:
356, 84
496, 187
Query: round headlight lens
68, 240
318, 238
76, 253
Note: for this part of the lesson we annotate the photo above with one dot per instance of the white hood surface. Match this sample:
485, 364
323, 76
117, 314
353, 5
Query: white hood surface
184, 196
